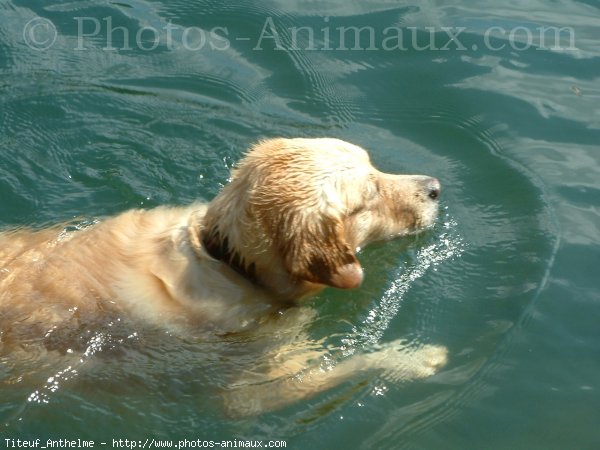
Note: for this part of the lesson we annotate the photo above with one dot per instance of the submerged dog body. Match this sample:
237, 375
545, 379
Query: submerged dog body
288, 224
143, 263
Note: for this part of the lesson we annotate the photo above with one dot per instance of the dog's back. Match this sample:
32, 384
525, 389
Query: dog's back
143, 263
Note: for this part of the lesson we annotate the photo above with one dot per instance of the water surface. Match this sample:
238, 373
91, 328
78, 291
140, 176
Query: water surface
99, 122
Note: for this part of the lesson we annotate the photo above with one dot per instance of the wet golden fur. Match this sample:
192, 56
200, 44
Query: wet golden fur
288, 224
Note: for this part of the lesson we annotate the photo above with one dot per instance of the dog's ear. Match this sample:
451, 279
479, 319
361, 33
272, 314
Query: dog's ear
318, 253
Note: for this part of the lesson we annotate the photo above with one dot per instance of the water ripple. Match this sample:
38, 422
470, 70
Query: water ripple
448, 245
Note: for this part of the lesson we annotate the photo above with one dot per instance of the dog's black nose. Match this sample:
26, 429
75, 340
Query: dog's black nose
434, 189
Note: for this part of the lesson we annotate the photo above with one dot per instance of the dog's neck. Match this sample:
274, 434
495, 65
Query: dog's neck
207, 239
203, 240
218, 248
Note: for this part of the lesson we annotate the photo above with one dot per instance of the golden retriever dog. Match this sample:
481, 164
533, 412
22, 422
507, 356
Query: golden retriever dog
288, 224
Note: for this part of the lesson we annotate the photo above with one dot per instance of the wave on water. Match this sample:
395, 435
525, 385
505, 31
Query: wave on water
447, 245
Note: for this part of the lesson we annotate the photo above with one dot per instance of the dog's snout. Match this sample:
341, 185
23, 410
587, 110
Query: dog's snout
433, 188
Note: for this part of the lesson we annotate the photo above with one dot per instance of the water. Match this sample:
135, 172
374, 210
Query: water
96, 122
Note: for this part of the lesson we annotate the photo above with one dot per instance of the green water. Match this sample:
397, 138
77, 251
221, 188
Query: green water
93, 122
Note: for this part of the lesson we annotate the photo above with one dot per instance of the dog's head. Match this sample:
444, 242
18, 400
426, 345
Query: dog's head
297, 210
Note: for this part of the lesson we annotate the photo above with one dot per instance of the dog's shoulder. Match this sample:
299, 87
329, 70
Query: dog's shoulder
168, 273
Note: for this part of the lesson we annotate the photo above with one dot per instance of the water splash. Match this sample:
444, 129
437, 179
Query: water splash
99, 342
52, 385
447, 245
